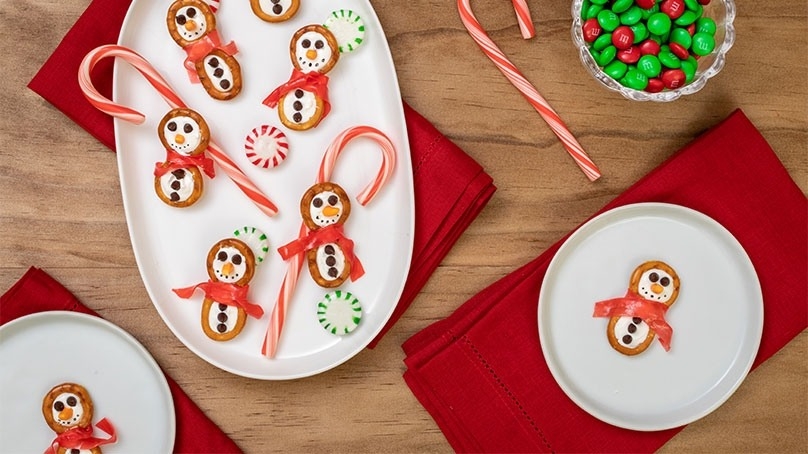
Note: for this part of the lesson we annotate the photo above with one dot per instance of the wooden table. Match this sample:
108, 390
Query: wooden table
61, 209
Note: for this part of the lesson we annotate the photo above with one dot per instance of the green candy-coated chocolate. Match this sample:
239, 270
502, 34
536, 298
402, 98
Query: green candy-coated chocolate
668, 58
706, 25
703, 44
640, 32
584, 8
635, 79
689, 68
692, 4
632, 16
682, 37
608, 20
606, 56
687, 18
602, 42
592, 12
649, 65
599, 2
616, 69
621, 5
646, 13
658, 23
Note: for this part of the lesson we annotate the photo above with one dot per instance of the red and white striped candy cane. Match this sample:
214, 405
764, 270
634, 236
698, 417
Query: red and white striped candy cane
523, 17
526, 88
157, 81
295, 264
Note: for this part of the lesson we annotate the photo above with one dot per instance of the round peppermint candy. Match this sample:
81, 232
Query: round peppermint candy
348, 28
256, 240
339, 312
266, 146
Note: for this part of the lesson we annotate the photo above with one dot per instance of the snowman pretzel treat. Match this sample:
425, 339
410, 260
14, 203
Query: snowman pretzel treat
231, 265
275, 10
314, 49
185, 136
639, 317
331, 261
192, 25
68, 411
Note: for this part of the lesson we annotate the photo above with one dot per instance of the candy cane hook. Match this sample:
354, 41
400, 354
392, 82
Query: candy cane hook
157, 81
526, 88
295, 263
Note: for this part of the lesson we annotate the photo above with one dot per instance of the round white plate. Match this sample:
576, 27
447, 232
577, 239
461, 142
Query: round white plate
171, 244
717, 319
42, 350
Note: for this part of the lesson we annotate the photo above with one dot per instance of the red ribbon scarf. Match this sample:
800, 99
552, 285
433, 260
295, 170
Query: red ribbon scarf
225, 293
313, 82
633, 305
176, 161
316, 238
197, 50
82, 437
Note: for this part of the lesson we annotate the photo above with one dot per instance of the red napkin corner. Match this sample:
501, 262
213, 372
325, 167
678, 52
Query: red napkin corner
480, 372
450, 187
36, 291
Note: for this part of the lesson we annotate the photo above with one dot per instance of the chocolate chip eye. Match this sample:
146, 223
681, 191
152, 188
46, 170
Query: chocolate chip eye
181, 19
188, 128
317, 202
664, 281
58, 406
72, 401
653, 277
333, 200
305, 43
222, 256
236, 259
319, 44
171, 126
191, 12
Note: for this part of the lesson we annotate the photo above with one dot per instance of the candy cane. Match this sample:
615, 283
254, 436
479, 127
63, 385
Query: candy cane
523, 17
526, 88
168, 94
295, 263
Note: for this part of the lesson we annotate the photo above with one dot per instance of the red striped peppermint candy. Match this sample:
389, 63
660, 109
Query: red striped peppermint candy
266, 146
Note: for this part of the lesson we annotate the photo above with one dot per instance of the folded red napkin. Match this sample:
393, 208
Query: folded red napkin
480, 373
450, 188
36, 291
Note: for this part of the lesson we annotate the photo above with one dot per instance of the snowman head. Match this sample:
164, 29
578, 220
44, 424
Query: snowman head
67, 406
656, 281
184, 131
314, 49
325, 204
231, 261
189, 21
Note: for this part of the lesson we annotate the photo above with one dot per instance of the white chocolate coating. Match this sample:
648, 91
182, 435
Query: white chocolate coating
229, 265
219, 73
621, 330
268, 7
183, 186
305, 104
327, 200
312, 52
656, 285
70, 415
183, 135
190, 23
231, 312
339, 261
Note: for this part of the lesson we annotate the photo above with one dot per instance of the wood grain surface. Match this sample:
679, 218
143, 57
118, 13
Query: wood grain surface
61, 209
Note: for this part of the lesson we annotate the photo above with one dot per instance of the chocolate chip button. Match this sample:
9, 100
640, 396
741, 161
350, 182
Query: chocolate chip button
214, 62
297, 117
330, 260
275, 2
333, 272
222, 307
222, 317
221, 327
174, 197
225, 84
75, 451
627, 339
175, 185
297, 105
329, 250
298, 93
636, 320
632, 328
218, 72
179, 173
277, 9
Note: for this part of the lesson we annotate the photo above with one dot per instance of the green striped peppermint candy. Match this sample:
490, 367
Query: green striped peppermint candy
256, 240
339, 312
348, 28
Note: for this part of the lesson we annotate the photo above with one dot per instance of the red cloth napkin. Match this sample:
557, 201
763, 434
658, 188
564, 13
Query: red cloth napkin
480, 373
36, 291
450, 188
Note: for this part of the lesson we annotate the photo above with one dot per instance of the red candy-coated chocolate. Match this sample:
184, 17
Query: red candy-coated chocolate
649, 47
673, 8
679, 50
655, 85
622, 37
591, 29
691, 29
673, 78
646, 4
703, 2
629, 56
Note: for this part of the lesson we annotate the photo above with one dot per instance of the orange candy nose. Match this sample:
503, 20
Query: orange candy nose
656, 288
311, 54
179, 138
227, 269
190, 25
330, 211
66, 414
